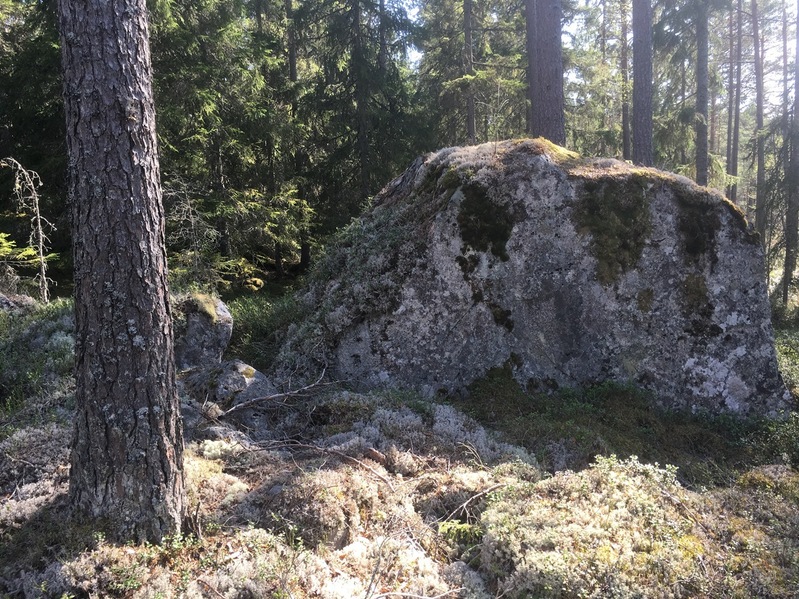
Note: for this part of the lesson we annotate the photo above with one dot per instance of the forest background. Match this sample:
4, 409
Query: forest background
279, 119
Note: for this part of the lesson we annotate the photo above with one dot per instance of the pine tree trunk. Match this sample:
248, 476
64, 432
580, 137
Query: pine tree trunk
701, 117
730, 89
548, 113
792, 180
127, 451
532, 63
468, 57
625, 79
359, 72
291, 44
732, 191
760, 198
642, 82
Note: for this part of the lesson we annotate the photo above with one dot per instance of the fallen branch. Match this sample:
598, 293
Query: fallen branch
251, 402
412, 596
462, 507
339, 454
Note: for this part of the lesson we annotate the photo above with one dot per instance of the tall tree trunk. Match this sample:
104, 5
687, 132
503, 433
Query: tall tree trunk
730, 87
382, 53
548, 115
701, 116
468, 59
792, 180
358, 68
625, 80
532, 62
291, 47
760, 197
642, 82
127, 452
732, 192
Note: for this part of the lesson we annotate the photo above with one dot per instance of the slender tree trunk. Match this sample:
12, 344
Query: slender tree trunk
730, 88
127, 451
732, 192
532, 63
291, 46
792, 180
548, 116
642, 82
786, 123
468, 58
625, 80
713, 135
382, 53
701, 117
760, 197
297, 161
358, 67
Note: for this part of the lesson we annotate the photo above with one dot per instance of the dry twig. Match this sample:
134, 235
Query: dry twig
256, 400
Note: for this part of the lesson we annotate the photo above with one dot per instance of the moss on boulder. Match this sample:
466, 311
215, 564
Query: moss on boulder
585, 269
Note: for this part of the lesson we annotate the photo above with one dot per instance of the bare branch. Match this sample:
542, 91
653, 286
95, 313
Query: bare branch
256, 400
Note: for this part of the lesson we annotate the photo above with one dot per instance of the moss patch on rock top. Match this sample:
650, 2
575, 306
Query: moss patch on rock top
616, 214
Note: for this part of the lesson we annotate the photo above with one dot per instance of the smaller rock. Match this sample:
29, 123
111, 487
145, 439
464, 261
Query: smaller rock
203, 328
16, 304
229, 384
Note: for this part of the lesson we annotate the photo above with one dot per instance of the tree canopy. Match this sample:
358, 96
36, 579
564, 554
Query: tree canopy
279, 119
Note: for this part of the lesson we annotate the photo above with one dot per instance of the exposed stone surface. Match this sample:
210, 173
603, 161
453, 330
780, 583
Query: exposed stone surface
16, 304
203, 327
216, 389
570, 271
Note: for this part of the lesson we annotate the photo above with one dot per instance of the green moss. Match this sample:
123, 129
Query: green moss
698, 224
450, 179
204, 304
442, 177
615, 212
467, 264
484, 224
460, 532
501, 316
693, 292
558, 154
571, 426
645, 299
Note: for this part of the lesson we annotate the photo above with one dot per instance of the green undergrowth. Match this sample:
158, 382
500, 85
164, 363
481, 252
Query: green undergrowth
48, 535
787, 343
36, 355
568, 428
260, 322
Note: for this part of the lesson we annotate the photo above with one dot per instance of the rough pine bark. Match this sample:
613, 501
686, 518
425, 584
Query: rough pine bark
548, 110
642, 83
127, 450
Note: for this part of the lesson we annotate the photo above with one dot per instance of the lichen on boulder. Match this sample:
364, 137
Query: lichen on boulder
571, 271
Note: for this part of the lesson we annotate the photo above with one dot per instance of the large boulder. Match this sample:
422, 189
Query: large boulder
203, 328
567, 271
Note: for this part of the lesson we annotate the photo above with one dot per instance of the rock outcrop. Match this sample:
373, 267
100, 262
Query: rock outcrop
567, 271
203, 327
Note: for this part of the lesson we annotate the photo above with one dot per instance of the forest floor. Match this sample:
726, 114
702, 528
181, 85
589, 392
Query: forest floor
582, 493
